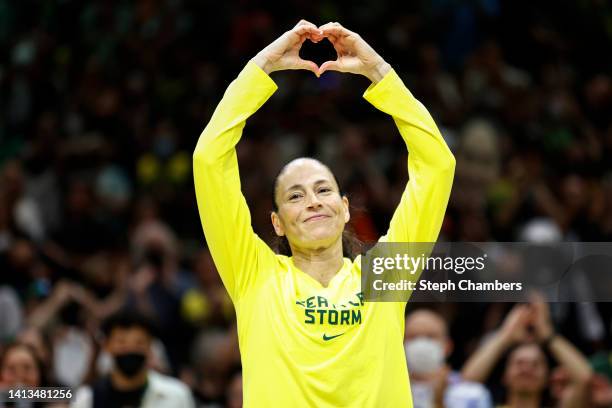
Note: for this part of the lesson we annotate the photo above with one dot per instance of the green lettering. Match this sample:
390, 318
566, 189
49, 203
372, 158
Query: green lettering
310, 317
333, 317
322, 301
356, 316
321, 315
310, 302
360, 297
344, 317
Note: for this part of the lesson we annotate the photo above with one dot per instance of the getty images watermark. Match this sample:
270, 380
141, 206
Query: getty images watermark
487, 272
413, 265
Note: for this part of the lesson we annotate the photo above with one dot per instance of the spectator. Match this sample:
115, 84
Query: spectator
20, 365
24, 210
214, 355
432, 382
11, 313
526, 373
130, 383
234, 391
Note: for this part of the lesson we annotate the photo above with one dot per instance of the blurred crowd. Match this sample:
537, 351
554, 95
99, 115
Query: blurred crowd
101, 104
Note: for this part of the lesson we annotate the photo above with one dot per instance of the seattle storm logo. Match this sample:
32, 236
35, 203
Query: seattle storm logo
318, 310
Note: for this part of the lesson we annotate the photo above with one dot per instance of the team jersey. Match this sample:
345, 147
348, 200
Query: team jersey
303, 344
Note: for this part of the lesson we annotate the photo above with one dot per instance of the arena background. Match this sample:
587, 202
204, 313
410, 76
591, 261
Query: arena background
102, 104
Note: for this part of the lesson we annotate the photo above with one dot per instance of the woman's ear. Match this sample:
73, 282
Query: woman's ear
347, 212
276, 223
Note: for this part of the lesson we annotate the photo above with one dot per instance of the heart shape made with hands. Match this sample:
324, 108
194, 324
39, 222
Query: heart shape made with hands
319, 52
298, 47
350, 53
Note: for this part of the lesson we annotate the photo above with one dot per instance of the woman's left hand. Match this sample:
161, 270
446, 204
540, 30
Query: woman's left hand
542, 323
354, 54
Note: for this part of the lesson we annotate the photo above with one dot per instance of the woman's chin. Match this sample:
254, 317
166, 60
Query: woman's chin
320, 239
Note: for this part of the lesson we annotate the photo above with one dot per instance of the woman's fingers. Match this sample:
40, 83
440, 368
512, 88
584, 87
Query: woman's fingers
341, 38
336, 29
307, 65
329, 66
308, 29
304, 22
332, 25
315, 35
336, 42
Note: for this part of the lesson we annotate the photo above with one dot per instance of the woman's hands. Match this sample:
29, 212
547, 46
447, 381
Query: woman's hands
354, 54
515, 328
528, 322
542, 325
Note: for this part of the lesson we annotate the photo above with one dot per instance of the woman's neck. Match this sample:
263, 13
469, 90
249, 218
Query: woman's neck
322, 264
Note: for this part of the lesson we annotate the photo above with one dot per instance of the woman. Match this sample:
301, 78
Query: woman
20, 367
524, 336
307, 338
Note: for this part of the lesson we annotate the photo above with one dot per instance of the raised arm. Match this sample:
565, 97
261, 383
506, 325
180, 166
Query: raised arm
237, 251
431, 165
514, 330
565, 353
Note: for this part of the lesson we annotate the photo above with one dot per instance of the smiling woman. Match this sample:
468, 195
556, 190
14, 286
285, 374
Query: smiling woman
307, 338
324, 192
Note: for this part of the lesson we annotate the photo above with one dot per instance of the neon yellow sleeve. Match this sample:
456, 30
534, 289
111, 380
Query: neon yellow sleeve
239, 254
431, 165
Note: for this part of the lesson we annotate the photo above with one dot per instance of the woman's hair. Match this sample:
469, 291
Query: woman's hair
351, 245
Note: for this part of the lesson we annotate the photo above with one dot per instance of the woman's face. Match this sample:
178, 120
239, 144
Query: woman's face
526, 370
19, 368
311, 212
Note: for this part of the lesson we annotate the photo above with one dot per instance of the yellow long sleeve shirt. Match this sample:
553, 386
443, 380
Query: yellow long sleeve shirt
302, 344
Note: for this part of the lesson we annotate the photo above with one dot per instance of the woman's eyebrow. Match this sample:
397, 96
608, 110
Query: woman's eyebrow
301, 187
295, 187
321, 181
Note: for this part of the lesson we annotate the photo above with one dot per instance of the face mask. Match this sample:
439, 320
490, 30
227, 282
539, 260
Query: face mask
72, 356
424, 355
130, 364
104, 363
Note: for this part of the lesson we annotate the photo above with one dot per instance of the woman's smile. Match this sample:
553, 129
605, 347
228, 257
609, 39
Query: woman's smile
316, 217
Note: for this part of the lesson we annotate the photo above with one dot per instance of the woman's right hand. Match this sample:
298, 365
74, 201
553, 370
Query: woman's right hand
515, 328
284, 52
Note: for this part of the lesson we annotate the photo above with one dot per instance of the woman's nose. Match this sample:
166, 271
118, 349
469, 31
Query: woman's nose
313, 201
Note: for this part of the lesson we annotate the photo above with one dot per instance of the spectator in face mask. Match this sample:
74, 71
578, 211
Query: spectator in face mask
433, 383
130, 382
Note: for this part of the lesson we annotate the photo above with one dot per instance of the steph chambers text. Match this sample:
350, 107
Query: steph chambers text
462, 285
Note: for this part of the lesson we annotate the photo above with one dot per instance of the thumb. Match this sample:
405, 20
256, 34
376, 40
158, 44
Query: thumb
329, 66
307, 65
